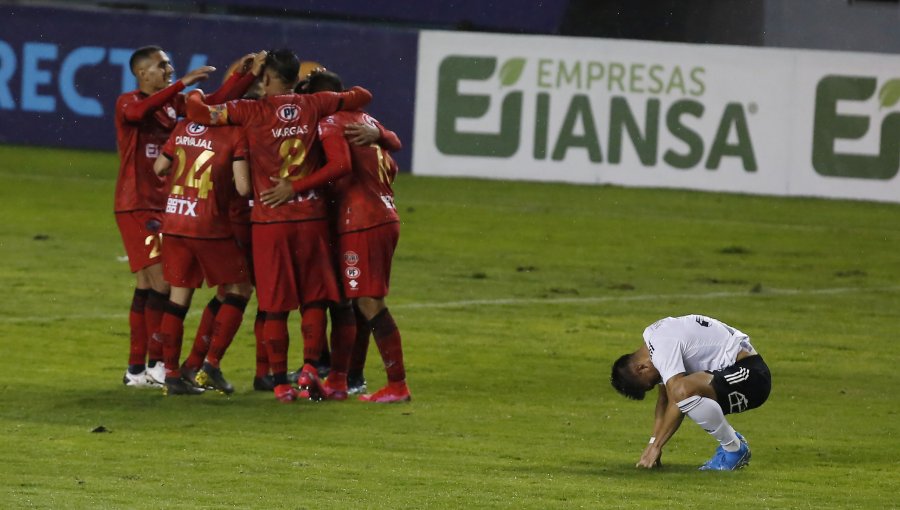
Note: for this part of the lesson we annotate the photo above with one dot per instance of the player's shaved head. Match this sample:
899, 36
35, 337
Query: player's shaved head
140, 56
284, 64
324, 81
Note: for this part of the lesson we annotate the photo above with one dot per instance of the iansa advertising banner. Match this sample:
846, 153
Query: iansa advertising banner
718, 118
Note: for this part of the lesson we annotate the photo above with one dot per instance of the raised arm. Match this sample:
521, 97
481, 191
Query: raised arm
238, 83
137, 110
200, 112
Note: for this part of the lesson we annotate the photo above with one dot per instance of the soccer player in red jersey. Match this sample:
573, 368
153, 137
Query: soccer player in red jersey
239, 214
144, 118
200, 243
368, 229
291, 252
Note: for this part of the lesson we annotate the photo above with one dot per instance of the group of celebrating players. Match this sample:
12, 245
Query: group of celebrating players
317, 235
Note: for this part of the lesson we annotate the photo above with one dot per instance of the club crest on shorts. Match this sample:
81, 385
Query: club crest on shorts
352, 272
288, 112
737, 402
351, 258
195, 129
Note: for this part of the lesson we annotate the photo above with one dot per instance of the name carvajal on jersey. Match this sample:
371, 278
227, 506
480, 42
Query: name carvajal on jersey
190, 141
181, 206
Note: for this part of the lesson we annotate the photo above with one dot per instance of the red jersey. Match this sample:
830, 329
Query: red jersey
364, 198
282, 131
240, 209
139, 142
202, 183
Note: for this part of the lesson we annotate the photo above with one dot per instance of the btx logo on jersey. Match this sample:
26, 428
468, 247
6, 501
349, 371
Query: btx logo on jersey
288, 112
195, 129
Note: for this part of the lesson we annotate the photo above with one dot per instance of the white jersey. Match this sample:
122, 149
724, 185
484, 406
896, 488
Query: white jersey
693, 343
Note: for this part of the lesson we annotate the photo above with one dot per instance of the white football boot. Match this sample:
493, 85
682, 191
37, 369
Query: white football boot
139, 380
157, 374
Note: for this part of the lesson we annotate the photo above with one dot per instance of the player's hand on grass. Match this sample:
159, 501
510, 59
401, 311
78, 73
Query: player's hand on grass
651, 458
278, 194
359, 133
197, 75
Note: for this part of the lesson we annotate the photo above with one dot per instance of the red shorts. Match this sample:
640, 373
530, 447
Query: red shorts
241, 233
187, 262
365, 260
140, 234
292, 263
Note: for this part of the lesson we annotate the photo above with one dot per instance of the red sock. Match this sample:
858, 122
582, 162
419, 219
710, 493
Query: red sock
360, 345
204, 335
275, 332
228, 320
137, 352
153, 312
387, 338
262, 357
343, 335
171, 331
313, 325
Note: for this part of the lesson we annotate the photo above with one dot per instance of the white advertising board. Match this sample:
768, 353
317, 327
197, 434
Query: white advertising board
718, 118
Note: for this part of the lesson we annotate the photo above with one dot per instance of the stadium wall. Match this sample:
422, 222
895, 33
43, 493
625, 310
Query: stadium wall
62, 69
718, 118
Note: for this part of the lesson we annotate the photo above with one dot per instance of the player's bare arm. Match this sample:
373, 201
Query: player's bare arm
242, 182
667, 419
162, 165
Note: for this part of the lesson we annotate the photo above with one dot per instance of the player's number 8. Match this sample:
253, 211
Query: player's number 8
293, 154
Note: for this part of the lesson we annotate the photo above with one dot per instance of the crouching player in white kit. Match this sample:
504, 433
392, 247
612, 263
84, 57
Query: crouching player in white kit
707, 369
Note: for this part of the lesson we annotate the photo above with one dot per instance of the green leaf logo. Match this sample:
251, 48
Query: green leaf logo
889, 94
511, 71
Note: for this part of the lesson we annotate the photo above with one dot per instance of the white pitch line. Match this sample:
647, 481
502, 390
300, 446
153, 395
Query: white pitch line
643, 297
521, 301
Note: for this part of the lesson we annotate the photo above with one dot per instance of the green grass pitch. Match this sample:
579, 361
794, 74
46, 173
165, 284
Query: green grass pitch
512, 299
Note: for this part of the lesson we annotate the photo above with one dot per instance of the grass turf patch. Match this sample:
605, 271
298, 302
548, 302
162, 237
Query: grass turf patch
513, 300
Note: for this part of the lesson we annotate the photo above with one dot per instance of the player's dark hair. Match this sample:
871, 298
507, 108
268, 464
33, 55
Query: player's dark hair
622, 379
324, 81
140, 54
285, 64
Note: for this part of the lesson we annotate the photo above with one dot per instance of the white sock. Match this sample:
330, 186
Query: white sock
707, 413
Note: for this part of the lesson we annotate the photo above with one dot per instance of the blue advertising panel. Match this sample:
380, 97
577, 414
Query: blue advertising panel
62, 69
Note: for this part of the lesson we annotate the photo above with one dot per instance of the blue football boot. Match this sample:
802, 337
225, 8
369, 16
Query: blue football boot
724, 460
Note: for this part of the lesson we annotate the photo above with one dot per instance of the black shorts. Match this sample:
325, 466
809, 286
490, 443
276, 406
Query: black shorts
742, 386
